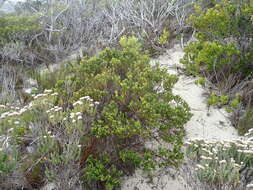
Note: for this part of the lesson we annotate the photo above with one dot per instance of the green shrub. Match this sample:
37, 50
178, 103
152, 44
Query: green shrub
213, 99
201, 81
224, 100
235, 102
97, 170
129, 107
224, 31
164, 38
8, 161
13, 26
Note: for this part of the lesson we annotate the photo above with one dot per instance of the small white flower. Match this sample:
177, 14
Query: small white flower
91, 105
78, 113
188, 143
250, 139
58, 109
30, 105
205, 158
51, 116
200, 166
250, 130
222, 161
16, 122
79, 146
79, 117
72, 116
11, 129
73, 121
237, 165
77, 103
84, 98
48, 91
44, 137
22, 110
96, 103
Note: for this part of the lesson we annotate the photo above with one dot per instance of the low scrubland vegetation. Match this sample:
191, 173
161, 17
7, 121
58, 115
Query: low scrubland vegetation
92, 128
90, 121
44, 33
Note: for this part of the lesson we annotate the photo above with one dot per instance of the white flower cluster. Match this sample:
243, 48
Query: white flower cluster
54, 109
16, 113
211, 149
75, 117
88, 99
46, 93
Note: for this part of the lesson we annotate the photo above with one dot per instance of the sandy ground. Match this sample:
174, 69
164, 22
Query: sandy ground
210, 124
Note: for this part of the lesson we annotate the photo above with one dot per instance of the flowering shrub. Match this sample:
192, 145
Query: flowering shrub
94, 126
223, 165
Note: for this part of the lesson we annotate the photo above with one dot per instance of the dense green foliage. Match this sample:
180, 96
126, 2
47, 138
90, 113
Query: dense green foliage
224, 33
15, 26
101, 121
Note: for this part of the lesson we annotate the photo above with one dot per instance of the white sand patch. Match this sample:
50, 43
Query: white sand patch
166, 180
209, 124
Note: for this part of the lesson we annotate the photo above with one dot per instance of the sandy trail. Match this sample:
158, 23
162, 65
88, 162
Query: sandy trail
211, 125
